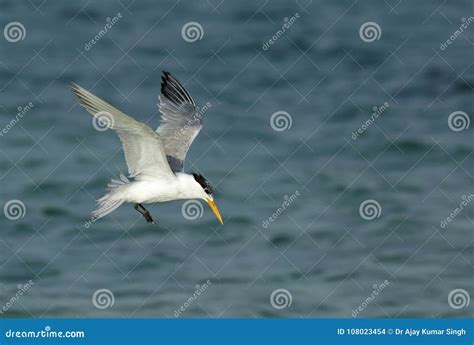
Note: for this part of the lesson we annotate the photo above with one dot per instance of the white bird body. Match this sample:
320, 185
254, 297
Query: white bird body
155, 159
151, 190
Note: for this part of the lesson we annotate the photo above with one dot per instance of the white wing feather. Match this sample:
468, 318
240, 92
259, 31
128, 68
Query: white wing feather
142, 146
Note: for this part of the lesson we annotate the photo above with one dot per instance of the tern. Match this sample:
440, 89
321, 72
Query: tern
155, 159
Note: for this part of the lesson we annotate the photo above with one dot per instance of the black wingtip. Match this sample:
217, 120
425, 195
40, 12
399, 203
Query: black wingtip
164, 80
172, 89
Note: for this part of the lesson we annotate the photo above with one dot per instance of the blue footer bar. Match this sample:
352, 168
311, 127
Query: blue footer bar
237, 331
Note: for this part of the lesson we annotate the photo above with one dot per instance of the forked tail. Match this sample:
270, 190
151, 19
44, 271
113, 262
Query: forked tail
113, 199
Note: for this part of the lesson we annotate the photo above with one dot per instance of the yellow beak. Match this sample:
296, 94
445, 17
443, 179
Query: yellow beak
214, 209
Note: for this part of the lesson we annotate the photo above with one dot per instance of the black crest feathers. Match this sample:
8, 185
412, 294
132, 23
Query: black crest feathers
204, 183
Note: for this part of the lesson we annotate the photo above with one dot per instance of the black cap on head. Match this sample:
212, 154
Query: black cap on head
204, 183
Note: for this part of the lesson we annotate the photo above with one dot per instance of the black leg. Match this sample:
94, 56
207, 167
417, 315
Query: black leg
144, 212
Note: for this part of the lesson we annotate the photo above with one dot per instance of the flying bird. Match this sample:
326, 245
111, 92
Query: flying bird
155, 159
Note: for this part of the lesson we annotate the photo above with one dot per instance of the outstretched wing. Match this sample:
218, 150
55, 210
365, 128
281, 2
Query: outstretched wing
142, 146
180, 121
